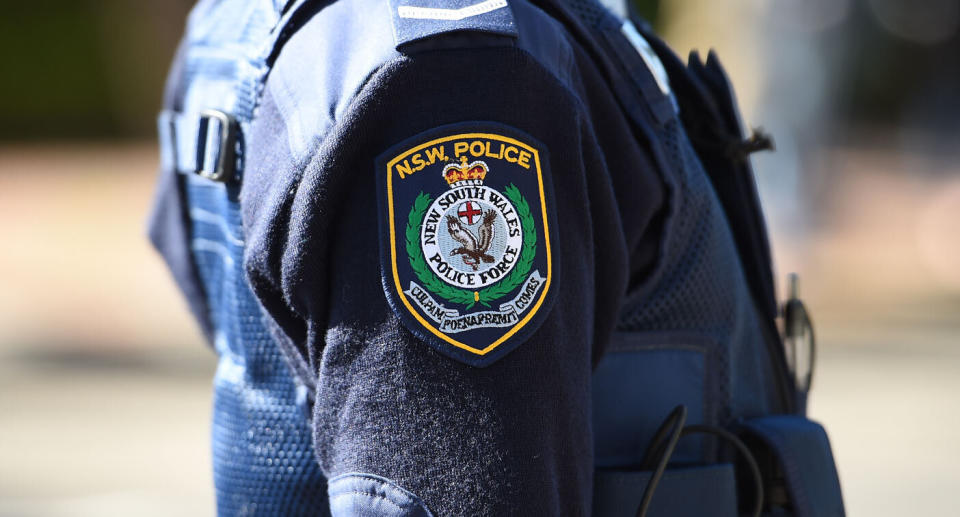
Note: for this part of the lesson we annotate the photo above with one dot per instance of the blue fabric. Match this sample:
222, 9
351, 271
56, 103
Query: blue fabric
711, 117
386, 402
803, 450
699, 286
682, 492
638, 382
263, 460
366, 495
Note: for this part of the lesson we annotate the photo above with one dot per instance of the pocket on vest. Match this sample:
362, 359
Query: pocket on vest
682, 492
797, 464
640, 379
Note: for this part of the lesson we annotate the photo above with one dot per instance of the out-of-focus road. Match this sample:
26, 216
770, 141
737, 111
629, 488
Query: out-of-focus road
105, 384
891, 407
84, 434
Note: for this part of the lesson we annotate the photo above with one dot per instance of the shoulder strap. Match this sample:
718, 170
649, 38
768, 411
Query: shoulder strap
294, 16
210, 142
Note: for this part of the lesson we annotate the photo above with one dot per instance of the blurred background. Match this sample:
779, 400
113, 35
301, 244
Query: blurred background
105, 381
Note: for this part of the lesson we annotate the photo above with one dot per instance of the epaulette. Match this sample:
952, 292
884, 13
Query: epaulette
418, 20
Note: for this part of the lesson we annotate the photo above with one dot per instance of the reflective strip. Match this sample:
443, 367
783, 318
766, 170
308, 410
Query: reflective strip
649, 56
214, 247
438, 13
203, 216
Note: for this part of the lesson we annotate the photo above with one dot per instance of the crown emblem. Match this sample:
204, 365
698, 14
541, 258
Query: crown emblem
463, 174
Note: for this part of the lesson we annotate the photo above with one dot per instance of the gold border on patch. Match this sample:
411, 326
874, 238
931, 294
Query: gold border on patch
393, 240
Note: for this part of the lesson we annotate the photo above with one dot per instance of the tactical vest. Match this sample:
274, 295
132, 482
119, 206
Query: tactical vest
709, 365
262, 444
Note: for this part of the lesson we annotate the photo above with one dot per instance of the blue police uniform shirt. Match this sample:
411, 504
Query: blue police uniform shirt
451, 211
512, 437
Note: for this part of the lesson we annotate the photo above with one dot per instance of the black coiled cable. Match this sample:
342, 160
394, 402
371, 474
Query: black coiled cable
672, 429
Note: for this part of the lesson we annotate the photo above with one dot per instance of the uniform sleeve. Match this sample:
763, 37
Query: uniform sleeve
440, 389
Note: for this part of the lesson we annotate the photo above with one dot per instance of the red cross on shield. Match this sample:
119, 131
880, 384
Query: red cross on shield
468, 211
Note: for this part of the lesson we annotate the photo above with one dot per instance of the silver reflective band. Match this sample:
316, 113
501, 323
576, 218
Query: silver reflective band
216, 136
649, 57
438, 13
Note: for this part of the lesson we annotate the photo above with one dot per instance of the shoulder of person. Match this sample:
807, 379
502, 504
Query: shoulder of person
324, 66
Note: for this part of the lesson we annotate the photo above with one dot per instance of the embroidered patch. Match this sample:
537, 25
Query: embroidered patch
467, 242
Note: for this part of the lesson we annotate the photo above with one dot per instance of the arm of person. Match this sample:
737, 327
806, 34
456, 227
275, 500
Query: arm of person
439, 269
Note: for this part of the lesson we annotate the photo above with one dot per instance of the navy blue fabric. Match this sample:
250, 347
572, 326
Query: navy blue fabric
802, 449
638, 382
700, 287
682, 492
388, 404
711, 117
366, 495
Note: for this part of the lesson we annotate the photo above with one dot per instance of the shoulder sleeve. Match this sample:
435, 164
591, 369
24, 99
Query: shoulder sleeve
433, 272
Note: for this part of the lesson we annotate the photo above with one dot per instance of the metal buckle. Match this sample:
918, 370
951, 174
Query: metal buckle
224, 165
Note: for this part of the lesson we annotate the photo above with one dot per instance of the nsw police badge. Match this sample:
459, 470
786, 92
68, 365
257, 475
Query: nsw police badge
467, 242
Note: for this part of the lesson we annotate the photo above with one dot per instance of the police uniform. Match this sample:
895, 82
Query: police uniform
464, 257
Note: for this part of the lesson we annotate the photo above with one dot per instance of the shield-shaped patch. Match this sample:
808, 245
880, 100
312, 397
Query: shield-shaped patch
467, 238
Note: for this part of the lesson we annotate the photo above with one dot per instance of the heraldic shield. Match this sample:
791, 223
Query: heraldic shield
466, 242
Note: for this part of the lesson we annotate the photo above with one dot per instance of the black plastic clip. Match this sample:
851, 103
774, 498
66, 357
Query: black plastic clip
799, 338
